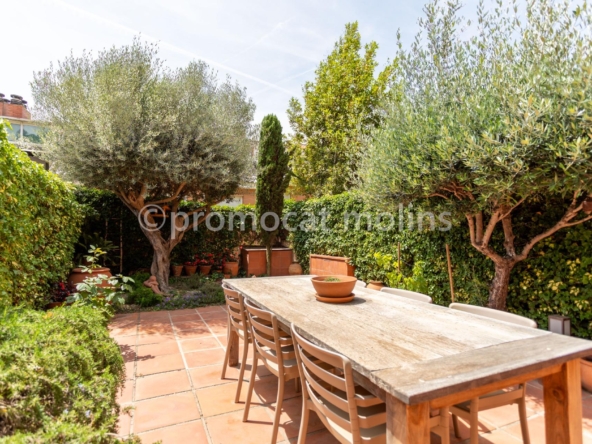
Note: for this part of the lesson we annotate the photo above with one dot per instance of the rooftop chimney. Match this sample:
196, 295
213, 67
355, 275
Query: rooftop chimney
14, 108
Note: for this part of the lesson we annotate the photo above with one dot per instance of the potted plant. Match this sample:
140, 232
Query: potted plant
101, 291
334, 286
176, 269
60, 292
91, 268
230, 263
190, 267
205, 263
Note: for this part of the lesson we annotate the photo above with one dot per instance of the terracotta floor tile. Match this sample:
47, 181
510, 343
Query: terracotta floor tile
159, 364
223, 340
129, 369
164, 411
229, 428
214, 315
189, 325
162, 384
159, 349
219, 399
124, 422
199, 343
500, 437
291, 416
126, 317
150, 329
218, 326
155, 338
465, 431
502, 416
128, 352
536, 429
534, 399
187, 433
184, 312
208, 376
213, 308
266, 389
125, 340
150, 316
320, 437
196, 333
125, 393
587, 419
187, 317
126, 330
204, 357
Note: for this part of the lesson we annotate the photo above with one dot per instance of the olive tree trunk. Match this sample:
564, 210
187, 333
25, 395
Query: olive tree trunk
498, 289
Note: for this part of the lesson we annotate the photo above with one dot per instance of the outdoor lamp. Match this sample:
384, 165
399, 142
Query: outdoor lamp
559, 324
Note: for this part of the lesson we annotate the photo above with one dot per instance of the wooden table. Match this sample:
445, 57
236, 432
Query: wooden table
416, 356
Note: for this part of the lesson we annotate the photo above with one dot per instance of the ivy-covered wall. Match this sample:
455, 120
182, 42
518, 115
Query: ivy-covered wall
555, 279
39, 225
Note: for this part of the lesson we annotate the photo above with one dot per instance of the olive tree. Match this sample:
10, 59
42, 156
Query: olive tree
480, 125
121, 121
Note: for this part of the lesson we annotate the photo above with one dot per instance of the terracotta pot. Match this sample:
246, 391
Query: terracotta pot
177, 270
77, 276
586, 370
295, 269
226, 276
231, 268
205, 269
375, 285
53, 305
190, 269
339, 289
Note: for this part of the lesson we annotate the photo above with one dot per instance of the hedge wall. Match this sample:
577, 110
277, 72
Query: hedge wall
39, 225
555, 279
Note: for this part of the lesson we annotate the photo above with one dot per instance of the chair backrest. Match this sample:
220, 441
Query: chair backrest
494, 314
328, 381
271, 343
408, 294
235, 303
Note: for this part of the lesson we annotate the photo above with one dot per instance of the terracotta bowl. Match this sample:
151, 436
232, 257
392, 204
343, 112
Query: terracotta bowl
339, 289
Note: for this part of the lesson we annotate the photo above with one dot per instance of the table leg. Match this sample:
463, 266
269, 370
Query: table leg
233, 344
563, 405
407, 424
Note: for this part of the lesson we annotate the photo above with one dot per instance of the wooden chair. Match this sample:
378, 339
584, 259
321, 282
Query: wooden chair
351, 413
408, 294
237, 323
469, 410
275, 349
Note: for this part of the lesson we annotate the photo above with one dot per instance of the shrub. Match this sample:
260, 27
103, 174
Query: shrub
40, 225
556, 279
59, 374
142, 295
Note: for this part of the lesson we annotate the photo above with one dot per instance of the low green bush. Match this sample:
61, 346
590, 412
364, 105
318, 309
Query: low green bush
59, 375
39, 225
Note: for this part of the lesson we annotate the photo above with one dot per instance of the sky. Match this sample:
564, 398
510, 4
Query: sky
270, 47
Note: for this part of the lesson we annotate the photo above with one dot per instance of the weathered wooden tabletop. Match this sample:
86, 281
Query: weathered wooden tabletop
413, 351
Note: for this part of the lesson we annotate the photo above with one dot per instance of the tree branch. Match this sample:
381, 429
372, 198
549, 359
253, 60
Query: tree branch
170, 199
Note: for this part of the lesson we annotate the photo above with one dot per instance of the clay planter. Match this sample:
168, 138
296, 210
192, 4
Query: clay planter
226, 276
295, 269
339, 289
77, 276
375, 285
53, 305
190, 269
176, 270
254, 260
231, 268
586, 370
205, 269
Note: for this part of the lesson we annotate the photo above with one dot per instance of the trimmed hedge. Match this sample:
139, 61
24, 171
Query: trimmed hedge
59, 375
39, 225
555, 279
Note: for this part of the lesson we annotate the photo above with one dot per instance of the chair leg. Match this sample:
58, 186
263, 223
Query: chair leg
455, 426
278, 409
241, 374
250, 392
227, 354
474, 421
297, 384
303, 422
523, 421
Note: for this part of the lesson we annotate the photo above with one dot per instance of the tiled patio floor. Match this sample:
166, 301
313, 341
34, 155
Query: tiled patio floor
174, 392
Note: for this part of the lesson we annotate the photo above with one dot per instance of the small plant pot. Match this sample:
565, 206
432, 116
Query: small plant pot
78, 276
375, 285
176, 270
190, 269
231, 268
226, 276
341, 287
205, 269
295, 269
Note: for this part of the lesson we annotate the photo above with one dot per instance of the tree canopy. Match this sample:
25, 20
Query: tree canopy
482, 124
122, 121
273, 178
340, 107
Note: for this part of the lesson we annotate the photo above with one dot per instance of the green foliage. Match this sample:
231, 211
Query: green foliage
59, 375
340, 108
101, 292
39, 226
140, 294
555, 280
